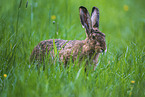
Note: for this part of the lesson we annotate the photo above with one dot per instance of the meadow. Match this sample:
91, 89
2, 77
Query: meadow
120, 72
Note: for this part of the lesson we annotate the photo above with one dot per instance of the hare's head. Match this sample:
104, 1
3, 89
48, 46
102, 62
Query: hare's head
95, 38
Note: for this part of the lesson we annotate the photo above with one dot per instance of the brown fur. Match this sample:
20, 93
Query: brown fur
89, 48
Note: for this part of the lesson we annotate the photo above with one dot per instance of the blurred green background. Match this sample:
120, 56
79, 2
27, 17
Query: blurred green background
120, 71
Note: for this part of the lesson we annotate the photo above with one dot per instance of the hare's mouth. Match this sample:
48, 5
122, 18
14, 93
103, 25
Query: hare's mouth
102, 50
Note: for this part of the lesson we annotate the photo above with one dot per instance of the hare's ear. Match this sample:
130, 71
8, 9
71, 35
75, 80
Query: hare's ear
85, 19
95, 17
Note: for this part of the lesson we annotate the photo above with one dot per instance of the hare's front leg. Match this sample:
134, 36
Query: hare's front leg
95, 60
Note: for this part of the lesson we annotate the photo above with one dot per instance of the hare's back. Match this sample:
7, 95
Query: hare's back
46, 46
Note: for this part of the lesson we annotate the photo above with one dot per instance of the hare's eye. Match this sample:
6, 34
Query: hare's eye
93, 37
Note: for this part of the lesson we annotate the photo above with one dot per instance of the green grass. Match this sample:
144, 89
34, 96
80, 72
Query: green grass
21, 29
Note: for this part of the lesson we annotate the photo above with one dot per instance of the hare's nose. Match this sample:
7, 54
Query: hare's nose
106, 50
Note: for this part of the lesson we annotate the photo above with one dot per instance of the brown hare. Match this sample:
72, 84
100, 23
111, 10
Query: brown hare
90, 48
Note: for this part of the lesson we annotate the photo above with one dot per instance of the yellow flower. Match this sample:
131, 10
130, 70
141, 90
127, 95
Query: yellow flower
53, 17
130, 93
5, 75
108, 62
132, 81
125, 7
